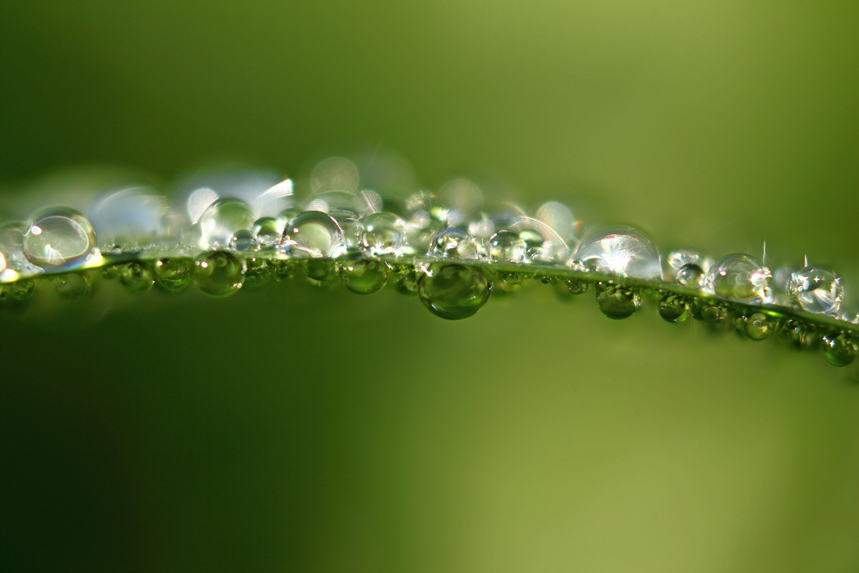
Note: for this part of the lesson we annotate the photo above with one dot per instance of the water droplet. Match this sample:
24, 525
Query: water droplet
282, 269
839, 349
173, 274
136, 277
759, 326
258, 272
799, 334
407, 279
709, 310
219, 273
454, 291
453, 244
22, 289
674, 308
816, 290
221, 220
12, 246
73, 287
314, 234
244, 240
268, 232
577, 286
59, 237
364, 276
320, 273
740, 278
620, 251
690, 275
382, 234
618, 302
507, 247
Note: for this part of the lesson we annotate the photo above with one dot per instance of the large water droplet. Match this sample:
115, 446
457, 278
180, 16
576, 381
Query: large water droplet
839, 349
136, 277
740, 278
617, 302
453, 244
364, 276
382, 234
314, 234
507, 247
453, 291
816, 290
173, 274
219, 273
621, 251
220, 221
59, 237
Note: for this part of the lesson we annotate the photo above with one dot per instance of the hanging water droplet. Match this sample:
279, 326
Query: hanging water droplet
73, 287
839, 349
244, 240
577, 286
618, 302
219, 273
453, 244
282, 269
382, 234
690, 275
268, 232
758, 326
673, 308
320, 273
740, 278
709, 310
221, 220
136, 277
257, 274
798, 333
816, 290
454, 291
59, 237
314, 234
22, 289
407, 279
364, 276
620, 251
507, 247
173, 274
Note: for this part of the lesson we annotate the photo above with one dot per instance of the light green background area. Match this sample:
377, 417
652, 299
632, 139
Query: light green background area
294, 429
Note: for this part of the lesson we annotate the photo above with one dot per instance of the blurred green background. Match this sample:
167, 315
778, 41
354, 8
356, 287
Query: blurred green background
289, 429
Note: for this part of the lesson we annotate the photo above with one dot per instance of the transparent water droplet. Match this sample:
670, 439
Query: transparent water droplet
59, 237
320, 273
741, 278
674, 308
259, 271
577, 286
244, 240
173, 274
12, 246
314, 234
453, 291
136, 277
382, 234
268, 232
219, 274
759, 326
620, 251
542, 243
507, 247
816, 290
618, 302
282, 269
364, 276
557, 217
453, 244
221, 220
73, 287
690, 275
709, 310
839, 349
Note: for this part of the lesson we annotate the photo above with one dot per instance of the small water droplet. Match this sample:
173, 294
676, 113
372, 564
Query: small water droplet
674, 308
453, 244
690, 275
173, 274
740, 278
454, 291
244, 240
839, 349
59, 237
136, 277
258, 272
314, 234
382, 234
798, 333
73, 287
507, 247
219, 273
268, 232
282, 269
759, 326
221, 220
816, 290
709, 310
364, 276
577, 286
618, 302
319, 273
620, 251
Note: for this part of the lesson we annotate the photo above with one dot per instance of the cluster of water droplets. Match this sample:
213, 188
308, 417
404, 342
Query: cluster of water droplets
227, 230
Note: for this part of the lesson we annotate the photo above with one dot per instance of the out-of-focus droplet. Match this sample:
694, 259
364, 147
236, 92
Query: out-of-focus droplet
741, 278
673, 308
839, 349
334, 174
136, 277
59, 237
758, 326
244, 240
12, 246
464, 198
128, 217
221, 220
198, 201
620, 251
690, 275
382, 234
408, 279
506, 247
268, 232
798, 333
24, 289
173, 274
453, 244
219, 274
73, 287
454, 291
315, 235
363, 276
558, 218
816, 290
259, 271
618, 302
542, 243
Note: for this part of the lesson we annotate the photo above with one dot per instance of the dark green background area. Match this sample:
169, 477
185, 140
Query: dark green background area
293, 429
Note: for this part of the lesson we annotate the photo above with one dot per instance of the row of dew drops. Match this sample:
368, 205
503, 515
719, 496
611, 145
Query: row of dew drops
239, 228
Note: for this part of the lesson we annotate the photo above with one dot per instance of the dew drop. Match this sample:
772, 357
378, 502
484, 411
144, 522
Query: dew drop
314, 234
364, 276
382, 234
173, 274
58, 237
136, 277
453, 291
709, 310
73, 287
319, 273
618, 302
221, 220
268, 232
758, 326
673, 308
690, 275
219, 273
453, 244
620, 251
799, 334
740, 278
258, 272
839, 349
507, 247
407, 280
816, 290
22, 289
577, 286
244, 240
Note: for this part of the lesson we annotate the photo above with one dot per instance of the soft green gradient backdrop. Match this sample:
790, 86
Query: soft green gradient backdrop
290, 429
